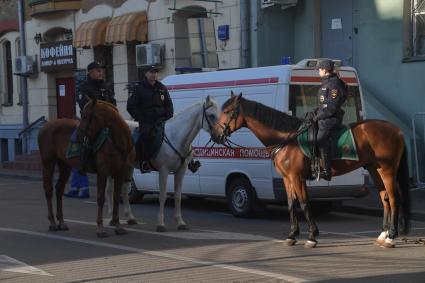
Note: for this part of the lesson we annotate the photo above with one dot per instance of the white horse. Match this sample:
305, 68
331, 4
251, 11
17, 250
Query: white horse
173, 157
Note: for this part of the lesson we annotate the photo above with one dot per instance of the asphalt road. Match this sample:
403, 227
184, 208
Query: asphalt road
217, 248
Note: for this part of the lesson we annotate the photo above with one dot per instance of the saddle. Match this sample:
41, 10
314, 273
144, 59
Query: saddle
342, 143
148, 147
86, 152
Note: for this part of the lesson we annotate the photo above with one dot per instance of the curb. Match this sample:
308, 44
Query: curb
362, 210
34, 177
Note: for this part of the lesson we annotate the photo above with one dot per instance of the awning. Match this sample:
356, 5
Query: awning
127, 28
91, 33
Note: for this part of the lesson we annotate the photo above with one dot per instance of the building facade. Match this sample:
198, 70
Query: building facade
383, 39
10, 92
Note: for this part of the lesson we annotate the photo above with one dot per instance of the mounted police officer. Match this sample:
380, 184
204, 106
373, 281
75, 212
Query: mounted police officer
95, 87
150, 105
328, 114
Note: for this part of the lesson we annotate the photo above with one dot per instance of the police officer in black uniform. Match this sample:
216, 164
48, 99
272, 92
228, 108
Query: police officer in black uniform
150, 105
95, 87
328, 114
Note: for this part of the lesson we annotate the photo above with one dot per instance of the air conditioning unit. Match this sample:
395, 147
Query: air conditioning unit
25, 65
148, 54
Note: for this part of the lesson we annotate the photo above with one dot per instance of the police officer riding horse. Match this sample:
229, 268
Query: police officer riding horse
149, 104
328, 114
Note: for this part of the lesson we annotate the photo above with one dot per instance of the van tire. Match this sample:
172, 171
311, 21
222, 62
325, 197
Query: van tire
134, 196
241, 197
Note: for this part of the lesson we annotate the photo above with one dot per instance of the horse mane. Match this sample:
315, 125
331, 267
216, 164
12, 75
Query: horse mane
268, 116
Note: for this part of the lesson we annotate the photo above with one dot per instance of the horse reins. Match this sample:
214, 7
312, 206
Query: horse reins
167, 140
274, 148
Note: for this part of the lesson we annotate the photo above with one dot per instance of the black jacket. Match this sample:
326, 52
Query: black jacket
90, 89
332, 94
150, 104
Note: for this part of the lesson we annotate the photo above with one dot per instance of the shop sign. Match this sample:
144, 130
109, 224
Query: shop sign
58, 55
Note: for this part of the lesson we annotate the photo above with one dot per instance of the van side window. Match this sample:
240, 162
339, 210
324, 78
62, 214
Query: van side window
303, 98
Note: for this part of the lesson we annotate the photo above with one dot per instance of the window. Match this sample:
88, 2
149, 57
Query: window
418, 27
303, 98
18, 84
8, 97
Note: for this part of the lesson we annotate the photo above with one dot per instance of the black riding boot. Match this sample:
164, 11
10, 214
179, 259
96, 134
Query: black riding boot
326, 173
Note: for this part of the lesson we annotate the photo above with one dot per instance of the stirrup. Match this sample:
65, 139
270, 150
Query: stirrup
144, 167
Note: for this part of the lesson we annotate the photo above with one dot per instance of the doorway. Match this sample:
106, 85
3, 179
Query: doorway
65, 95
336, 18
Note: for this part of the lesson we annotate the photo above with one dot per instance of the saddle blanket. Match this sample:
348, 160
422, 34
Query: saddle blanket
343, 144
74, 147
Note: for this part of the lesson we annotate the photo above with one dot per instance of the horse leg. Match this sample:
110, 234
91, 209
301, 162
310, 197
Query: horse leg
377, 181
48, 170
115, 211
178, 179
299, 186
388, 177
295, 229
64, 172
131, 220
162, 198
109, 197
101, 184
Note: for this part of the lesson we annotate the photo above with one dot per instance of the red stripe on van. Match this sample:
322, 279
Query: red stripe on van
234, 153
302, 79
224, 83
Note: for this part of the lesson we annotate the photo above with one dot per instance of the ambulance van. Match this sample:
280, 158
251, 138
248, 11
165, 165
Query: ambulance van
245, 175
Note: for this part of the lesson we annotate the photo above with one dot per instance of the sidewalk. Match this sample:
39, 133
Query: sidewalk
369, 205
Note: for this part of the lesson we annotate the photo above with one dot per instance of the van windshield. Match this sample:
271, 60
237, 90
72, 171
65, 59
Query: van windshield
303, 98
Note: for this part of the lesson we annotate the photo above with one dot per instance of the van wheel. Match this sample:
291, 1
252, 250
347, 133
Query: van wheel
240, 197
134, 196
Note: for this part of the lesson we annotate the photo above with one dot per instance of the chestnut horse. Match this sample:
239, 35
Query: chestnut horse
114, 158
381, 150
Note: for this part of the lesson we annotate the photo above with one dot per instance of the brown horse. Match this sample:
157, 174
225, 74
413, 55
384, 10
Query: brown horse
380, 147
114, 158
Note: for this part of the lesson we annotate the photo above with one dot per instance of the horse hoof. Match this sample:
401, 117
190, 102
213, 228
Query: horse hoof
379, 242
120, 231
131, 221
388, 243
310, 244
182, 227
62, 227
290, 242
102, 234
161, 229
53, 228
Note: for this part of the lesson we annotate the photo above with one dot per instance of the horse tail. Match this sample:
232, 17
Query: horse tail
404, 192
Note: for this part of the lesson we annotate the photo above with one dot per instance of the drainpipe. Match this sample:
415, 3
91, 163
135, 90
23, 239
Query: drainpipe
253, 46
24, 87
244, 11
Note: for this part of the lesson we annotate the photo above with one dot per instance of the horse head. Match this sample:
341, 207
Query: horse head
96, 115
210, 113
229, 120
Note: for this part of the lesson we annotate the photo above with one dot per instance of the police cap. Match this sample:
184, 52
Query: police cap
94, 65
152, 68
326, 64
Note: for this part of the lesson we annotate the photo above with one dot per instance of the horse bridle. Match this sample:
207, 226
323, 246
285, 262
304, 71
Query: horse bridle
231, 115
84, 132
210, 126
204, 114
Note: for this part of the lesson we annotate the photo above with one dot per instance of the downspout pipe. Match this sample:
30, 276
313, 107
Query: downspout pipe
23, 79
244, 11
